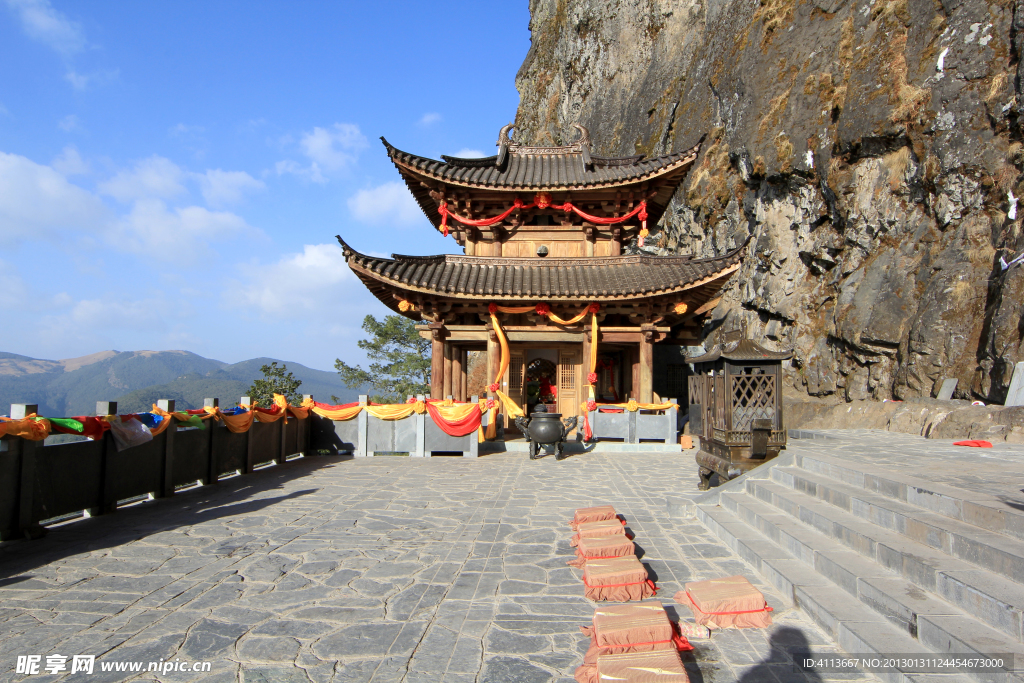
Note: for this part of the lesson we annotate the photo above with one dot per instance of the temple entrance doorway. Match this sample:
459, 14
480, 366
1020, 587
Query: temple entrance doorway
548, 375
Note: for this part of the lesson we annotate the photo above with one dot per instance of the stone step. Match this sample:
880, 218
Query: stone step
890, 615
986, 549
993, 599
979, 509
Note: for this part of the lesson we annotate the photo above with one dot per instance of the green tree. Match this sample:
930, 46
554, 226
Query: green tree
399, 360
276, 380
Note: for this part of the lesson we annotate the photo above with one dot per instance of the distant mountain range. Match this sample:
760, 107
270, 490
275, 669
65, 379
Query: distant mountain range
137, 379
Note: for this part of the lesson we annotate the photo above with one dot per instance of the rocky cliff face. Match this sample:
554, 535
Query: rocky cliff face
871, 150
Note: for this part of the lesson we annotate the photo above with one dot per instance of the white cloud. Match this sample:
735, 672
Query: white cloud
283, 289
185, 129
390, 203
467, 153
220, 188
116, 313
175, 234
312, 172
69, 123
430, 118
152, 177
329, 150
333, 148
38, 201
11, 284
83, 81
42, 22
70, 163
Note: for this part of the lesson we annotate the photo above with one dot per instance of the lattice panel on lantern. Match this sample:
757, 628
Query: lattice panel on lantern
694, 385
720, 399
753, 398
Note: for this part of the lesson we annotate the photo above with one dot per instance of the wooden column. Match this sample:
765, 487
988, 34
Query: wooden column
634, 384
616, 240
446, 389
456, 373
437, 334
646, 393
464, 387
585, 365
493, 358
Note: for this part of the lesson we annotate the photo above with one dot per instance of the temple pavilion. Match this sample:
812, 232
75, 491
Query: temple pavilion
543, 231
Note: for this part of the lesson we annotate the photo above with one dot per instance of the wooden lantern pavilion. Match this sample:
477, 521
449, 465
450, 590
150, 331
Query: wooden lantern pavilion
543, 230
736, 408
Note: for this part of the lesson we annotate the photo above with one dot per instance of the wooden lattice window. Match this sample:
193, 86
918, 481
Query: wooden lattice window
753, 398
515, 373
676, 380
567, 376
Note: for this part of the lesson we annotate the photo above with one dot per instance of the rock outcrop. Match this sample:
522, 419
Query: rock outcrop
871, 149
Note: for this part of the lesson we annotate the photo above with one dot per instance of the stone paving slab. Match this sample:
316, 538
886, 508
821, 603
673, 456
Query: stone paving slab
441, 570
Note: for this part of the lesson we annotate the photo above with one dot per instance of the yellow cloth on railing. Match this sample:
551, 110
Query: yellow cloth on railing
455, 413
236, 424
339, 414
632, 406
396, 411
27, 428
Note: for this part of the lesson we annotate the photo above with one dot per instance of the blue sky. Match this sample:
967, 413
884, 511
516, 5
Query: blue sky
172, 174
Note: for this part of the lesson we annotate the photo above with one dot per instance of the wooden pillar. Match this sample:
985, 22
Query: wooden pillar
493, 358
464, 361
616, 240
634, 383
437, 334
585, 365
456, 373
646, 393
446, 389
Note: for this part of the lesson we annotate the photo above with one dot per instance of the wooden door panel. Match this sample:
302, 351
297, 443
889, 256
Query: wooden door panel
568, 382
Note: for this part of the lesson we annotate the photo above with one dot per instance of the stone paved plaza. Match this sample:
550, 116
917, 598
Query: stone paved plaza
378, 569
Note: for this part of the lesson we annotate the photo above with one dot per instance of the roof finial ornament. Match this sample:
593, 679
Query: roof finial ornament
584, 134
503, 143
584, 145
503, 138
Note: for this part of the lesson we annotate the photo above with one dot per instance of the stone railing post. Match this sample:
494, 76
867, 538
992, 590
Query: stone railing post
27, 454
631, 435
108, 498
421, 432
306, 430
247, 401
167, 478
361, 427
212, 471
672, 424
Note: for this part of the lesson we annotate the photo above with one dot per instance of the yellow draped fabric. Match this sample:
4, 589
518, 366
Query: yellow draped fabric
339, 414
506, 401
582, 314
27, 428
396, 411
236, 424
632, 406
455, 413
516, 309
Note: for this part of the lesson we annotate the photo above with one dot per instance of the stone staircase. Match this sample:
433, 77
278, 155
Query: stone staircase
885, 563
